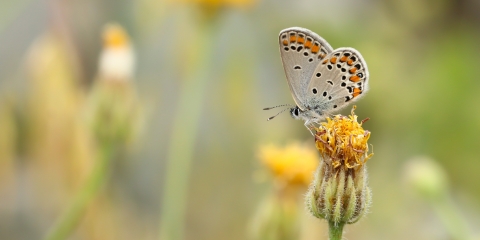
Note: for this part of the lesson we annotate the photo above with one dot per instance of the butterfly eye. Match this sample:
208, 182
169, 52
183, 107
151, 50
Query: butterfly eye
296, 112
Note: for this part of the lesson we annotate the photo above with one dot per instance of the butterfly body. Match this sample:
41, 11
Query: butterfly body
308, 115
321, 79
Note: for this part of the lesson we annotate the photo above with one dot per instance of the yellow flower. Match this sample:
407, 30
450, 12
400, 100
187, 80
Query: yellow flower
343, 142
290, 165
339, 192
114, 110
211, 9
222, 3
292, 168
117, 59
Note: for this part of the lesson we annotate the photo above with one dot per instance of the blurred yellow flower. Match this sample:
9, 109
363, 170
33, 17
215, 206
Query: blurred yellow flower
222, 3
114, 36
290, 165
279, 216
114, 108
343, 141
117, 59
110, 113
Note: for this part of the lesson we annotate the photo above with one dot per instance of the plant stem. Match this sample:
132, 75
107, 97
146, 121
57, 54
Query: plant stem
335, 230
70, 218
453, 222
184, 134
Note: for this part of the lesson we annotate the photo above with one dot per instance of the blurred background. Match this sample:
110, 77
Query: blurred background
143, 119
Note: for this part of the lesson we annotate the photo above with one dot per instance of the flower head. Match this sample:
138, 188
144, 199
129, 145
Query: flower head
114, 110
223, 3
339, 192
117, 59
342, 142
292, 168
290, 165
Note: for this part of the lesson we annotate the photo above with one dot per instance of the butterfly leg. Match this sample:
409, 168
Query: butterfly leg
309, 124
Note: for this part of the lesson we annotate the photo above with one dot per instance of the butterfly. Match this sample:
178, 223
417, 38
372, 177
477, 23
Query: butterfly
322, 80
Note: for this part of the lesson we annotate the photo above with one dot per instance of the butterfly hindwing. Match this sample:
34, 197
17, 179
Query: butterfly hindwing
340, 78
301, 51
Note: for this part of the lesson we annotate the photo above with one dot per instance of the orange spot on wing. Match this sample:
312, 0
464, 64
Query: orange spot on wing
300, 40
354, 78
293, 38
343, 59
350, 62
353, 70
285, 42
333, 60
315, 48
326, 60
322, 55
356, 92
308, 44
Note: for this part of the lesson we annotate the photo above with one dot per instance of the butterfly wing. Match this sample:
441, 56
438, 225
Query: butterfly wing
341, 78
302, 51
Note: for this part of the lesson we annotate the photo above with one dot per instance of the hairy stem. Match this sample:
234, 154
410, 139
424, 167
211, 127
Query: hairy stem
335, 230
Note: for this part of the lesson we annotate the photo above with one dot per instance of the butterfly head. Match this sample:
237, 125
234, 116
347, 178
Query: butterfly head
295, 112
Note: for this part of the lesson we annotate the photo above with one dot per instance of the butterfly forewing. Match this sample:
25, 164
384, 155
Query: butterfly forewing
340, 78
301, 51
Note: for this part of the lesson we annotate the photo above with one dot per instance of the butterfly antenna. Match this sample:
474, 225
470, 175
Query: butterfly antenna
270, 118
283, 105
